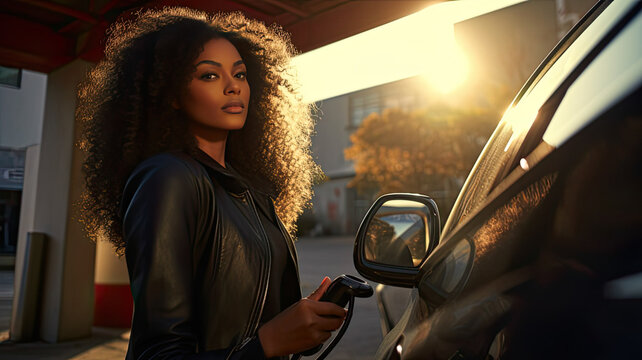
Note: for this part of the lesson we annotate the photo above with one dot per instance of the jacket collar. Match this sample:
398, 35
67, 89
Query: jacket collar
233, 182
226, 176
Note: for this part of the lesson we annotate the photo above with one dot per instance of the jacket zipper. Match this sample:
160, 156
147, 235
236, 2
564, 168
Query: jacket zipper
264, 281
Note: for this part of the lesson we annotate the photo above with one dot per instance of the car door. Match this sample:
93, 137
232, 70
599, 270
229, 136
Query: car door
547, 214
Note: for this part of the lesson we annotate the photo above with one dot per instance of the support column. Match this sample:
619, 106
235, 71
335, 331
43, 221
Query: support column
68, 285
114, 304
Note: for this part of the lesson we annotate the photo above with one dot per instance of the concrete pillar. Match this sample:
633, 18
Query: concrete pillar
26, 224
114, 304
27, 211
53, 184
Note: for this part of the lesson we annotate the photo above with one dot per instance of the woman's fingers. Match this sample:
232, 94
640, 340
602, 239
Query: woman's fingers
316, 294
324, 336
305, 324
327, 316
328, 324
324, 308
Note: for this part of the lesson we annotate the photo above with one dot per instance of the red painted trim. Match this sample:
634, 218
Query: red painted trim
18, 59
62, 9
113, 305
33, 38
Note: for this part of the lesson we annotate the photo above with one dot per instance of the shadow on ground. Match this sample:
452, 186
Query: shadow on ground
102, 345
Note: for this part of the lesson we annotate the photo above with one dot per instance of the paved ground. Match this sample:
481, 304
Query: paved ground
318, 257
333, 257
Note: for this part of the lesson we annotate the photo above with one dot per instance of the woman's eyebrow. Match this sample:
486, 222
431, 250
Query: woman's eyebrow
238, 62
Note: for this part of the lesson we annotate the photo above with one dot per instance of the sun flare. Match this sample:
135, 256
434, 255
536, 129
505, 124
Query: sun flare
419, 44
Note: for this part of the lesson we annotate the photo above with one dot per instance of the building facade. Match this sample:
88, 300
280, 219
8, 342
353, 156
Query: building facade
503, 48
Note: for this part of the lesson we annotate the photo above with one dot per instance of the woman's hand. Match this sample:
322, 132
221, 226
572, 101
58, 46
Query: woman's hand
304, 325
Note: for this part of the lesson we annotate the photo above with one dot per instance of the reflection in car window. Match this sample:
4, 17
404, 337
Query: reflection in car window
499, 151
613, 74
404, 244
450, 271
582, 45
503, 146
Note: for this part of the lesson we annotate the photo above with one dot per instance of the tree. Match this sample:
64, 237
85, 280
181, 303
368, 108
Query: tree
428, 151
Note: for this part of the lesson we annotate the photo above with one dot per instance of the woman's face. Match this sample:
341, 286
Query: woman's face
218, 94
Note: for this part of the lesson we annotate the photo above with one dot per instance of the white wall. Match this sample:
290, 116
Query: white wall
331, 134
22, 111
330, 206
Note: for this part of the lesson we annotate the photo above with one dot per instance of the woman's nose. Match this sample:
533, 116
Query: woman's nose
232, 88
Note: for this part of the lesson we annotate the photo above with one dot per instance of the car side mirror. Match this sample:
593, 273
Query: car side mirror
396, 235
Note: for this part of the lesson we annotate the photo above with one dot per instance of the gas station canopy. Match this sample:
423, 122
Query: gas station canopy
43, 35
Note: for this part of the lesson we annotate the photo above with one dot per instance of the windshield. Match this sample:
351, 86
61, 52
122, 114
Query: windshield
505, 144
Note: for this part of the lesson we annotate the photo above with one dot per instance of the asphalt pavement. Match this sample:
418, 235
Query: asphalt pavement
318, 257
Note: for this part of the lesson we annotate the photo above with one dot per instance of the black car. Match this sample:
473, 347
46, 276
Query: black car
541, 256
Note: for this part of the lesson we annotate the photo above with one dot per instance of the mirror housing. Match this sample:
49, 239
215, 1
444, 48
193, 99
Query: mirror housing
404, 225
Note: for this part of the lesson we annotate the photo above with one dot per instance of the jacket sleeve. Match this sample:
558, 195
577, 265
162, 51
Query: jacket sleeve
160, 220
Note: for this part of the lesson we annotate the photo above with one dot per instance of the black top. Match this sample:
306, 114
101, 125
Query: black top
282, 269
279, 250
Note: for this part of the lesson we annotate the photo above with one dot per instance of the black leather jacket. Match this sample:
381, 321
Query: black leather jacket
198, 260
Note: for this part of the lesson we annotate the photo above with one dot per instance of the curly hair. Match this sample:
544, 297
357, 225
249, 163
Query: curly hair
124, 108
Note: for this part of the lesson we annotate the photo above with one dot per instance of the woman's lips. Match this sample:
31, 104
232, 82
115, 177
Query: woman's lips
233, 108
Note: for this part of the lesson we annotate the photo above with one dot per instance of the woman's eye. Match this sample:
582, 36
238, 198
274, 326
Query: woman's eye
209, 76
241, 75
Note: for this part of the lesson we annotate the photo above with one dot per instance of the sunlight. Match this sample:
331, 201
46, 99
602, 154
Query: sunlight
419, 44
404, 204
520, 118
448, 66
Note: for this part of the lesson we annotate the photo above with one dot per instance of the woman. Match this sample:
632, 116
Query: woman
198, 148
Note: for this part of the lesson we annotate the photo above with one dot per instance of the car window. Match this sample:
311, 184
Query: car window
452, 269
616, 72
583, 43
505, 145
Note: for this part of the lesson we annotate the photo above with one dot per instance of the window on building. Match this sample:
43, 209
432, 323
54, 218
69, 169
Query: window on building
10, 76
12, 163
9, 217
400, 95
362, 105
